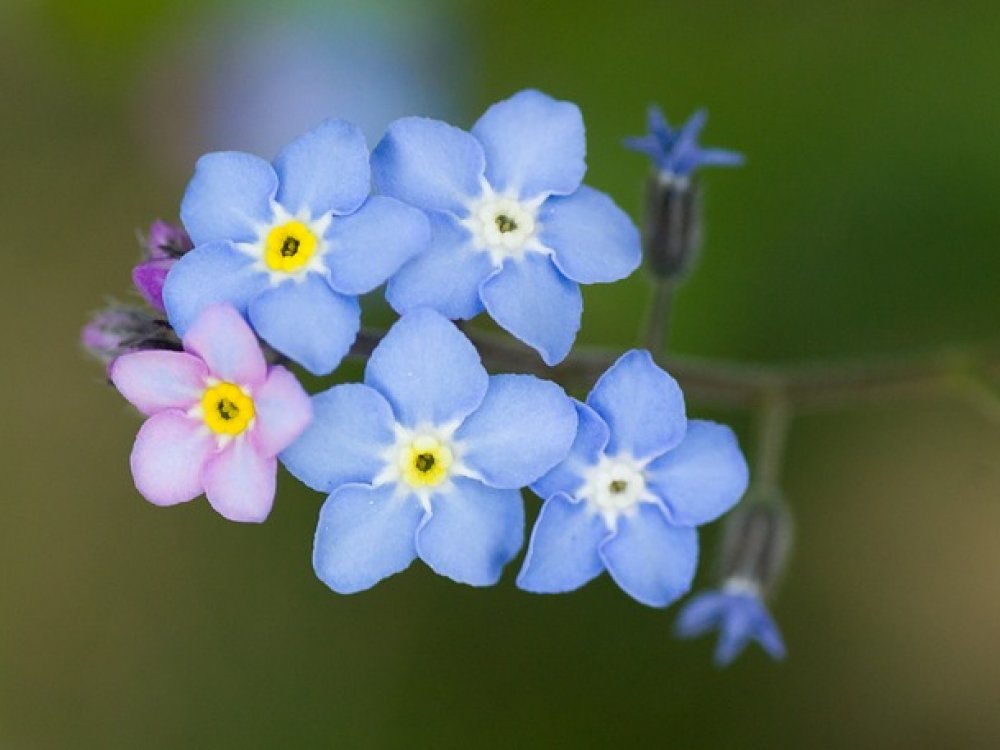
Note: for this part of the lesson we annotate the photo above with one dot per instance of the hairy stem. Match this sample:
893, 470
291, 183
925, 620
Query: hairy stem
725, 383
772, 435
657, 326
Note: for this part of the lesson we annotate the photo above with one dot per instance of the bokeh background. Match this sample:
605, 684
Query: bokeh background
865, 221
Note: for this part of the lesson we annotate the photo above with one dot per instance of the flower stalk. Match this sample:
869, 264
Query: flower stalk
732, 384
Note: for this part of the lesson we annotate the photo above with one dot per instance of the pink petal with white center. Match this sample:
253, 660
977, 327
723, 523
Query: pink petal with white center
283, 412
221, 337
239, 483
156, 380
167, 460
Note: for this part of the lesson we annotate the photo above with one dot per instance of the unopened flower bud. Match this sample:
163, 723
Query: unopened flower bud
164, 245
121, 329
166, 241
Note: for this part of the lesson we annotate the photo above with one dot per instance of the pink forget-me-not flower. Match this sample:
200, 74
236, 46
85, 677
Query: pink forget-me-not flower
292, 244
638, 480
426, 459
218, 417
514, 230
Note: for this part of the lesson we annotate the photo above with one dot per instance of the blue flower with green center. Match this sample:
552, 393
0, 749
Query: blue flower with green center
740, 616
638, 480
514, 230
426, 459
676, 153
291, 244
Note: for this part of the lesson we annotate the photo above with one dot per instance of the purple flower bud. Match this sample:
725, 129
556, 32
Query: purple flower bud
164, 245
120, 329
166, 241
149, 278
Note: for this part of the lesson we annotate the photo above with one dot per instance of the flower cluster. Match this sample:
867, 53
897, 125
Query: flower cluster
427, 457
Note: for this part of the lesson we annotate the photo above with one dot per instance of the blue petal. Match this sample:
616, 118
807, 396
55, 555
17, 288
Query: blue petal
718, 157
648, 145
364, 534
371, 244
523, 428
208, 275
701, 478
228, 197
429, 164
308, 322
768, 635
351, 429
429, 371
701, 614
746, 619
593, 241
642, 404
472, 532
651, 560
446, 277
657, 123
535, 303
676, 153
325, 170
534, 145
563, 551
591, 438
689, 133
739, 617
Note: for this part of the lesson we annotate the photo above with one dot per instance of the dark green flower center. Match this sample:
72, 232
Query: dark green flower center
505, 223
424, 462
227, 409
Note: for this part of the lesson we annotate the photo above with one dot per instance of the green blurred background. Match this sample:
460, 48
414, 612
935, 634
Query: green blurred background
865, 221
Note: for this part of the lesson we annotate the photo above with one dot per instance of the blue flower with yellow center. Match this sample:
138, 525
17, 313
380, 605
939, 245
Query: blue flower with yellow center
426, 459
638, 480
515, 232
292, 244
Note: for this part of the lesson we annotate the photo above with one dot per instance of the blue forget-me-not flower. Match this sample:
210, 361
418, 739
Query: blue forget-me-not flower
426, 458
754, 551
739, 614
514, 230
638, 480
291, 244
676, 153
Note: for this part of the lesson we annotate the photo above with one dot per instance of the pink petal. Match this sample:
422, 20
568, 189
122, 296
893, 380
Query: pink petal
223, 339
283, 412
239, 483
156, 380
167, 459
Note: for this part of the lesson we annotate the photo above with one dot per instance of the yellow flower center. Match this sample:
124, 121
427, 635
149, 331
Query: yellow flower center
228, 409
425, 462
289, 247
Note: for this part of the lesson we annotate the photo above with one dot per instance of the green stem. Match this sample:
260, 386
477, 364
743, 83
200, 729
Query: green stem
658, 318
772, 435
